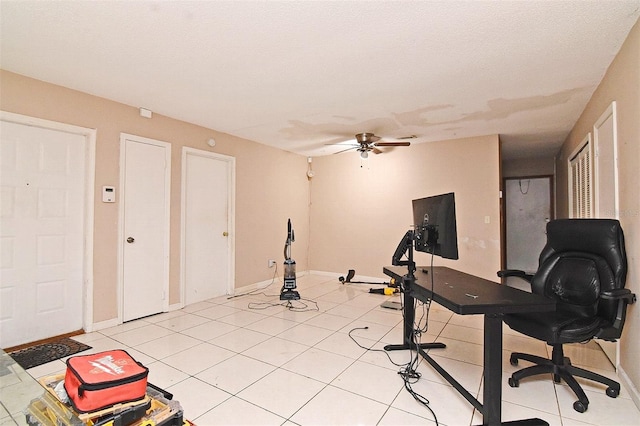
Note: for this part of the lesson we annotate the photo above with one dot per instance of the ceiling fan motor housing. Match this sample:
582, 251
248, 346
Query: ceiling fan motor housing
367, 138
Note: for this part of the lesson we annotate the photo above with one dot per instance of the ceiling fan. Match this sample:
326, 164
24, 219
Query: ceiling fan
366, 142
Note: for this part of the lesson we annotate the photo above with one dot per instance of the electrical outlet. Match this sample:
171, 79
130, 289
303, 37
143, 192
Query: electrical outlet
271, 263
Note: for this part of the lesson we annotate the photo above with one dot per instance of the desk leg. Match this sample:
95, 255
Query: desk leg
407, 334
492, 394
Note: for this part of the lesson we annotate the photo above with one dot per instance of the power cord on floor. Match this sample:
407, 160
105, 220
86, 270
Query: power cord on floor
289, 304
261, 291
372, 349
411, 376
408, 371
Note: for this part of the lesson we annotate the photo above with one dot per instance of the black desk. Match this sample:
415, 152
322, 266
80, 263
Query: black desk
467, 294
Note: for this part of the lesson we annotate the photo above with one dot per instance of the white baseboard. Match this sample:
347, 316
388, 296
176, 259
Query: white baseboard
325, 273
372, 280
629, 386
96, 326
238, 291
175, 307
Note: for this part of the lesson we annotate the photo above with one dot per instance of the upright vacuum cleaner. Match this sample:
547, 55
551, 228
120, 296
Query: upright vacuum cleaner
288, 291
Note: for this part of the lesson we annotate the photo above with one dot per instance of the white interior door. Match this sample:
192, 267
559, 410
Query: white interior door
41, 233
207, 224
528, 209
144, 226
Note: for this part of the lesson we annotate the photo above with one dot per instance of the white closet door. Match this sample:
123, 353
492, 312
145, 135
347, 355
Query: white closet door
145, 226
207, 232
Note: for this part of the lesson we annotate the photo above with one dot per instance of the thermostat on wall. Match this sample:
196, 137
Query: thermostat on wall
108, 194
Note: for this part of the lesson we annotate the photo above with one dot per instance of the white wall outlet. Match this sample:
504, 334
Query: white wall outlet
271, 263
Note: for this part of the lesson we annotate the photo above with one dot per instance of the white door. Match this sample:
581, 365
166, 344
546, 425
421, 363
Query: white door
207, 224
145, 168
41, 232
528, 209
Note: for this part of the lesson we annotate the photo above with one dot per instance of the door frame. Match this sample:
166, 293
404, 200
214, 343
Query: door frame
89, 195
610, 112
231, 208
121, 211
611, 349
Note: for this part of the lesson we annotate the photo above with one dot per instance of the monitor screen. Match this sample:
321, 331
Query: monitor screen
434, 219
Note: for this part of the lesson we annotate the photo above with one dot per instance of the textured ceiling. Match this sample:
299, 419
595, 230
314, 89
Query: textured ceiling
297, 75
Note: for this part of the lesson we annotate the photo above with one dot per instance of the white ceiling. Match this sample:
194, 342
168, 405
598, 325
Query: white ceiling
300, 74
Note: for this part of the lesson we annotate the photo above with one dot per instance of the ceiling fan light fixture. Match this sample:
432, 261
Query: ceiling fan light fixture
364, 155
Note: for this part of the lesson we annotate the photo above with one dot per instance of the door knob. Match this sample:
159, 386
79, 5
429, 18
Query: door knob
225, 234
130, 240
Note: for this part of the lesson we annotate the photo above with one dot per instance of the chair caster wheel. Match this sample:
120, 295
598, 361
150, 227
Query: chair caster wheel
513, 360
613, 393
513, 382
580, 407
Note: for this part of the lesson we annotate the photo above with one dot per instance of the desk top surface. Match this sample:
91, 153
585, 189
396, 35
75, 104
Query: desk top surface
467, 294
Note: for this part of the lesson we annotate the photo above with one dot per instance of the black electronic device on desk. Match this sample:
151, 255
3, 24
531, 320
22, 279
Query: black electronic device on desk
434, 220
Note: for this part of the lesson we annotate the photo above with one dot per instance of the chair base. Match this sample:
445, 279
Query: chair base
561, 368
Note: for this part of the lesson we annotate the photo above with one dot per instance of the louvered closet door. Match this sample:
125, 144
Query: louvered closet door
580, 196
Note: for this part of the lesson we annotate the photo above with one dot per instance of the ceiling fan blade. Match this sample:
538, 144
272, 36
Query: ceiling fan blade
392, 144
343, 144
376, 150
348, 149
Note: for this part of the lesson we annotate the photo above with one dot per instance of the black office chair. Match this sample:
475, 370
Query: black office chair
583, 267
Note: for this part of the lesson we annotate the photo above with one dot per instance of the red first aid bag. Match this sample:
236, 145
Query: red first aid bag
98, 381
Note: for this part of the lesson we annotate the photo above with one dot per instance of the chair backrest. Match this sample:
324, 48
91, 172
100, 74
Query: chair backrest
582, 258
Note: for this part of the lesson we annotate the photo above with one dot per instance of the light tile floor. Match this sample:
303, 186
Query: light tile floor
243, 361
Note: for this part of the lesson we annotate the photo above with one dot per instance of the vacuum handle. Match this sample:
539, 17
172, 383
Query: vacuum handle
290, 239
290, 234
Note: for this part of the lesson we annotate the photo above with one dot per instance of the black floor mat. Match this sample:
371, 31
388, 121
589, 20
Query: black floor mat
47, 352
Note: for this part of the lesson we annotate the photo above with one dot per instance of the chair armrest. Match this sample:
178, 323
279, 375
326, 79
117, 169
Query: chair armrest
515, 273
618, 294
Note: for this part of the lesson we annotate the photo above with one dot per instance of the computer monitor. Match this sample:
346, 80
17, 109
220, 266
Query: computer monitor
434, 220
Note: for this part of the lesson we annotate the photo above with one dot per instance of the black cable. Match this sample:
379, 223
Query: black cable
409, 374
259, 306
260, 291
288, 304
304, 308
372, 349
412, 376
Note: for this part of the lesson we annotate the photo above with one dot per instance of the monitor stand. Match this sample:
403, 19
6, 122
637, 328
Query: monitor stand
409, 308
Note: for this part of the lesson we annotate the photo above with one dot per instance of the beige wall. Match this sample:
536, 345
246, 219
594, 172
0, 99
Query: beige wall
542, 166
621, 83
359, 214
271, 184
